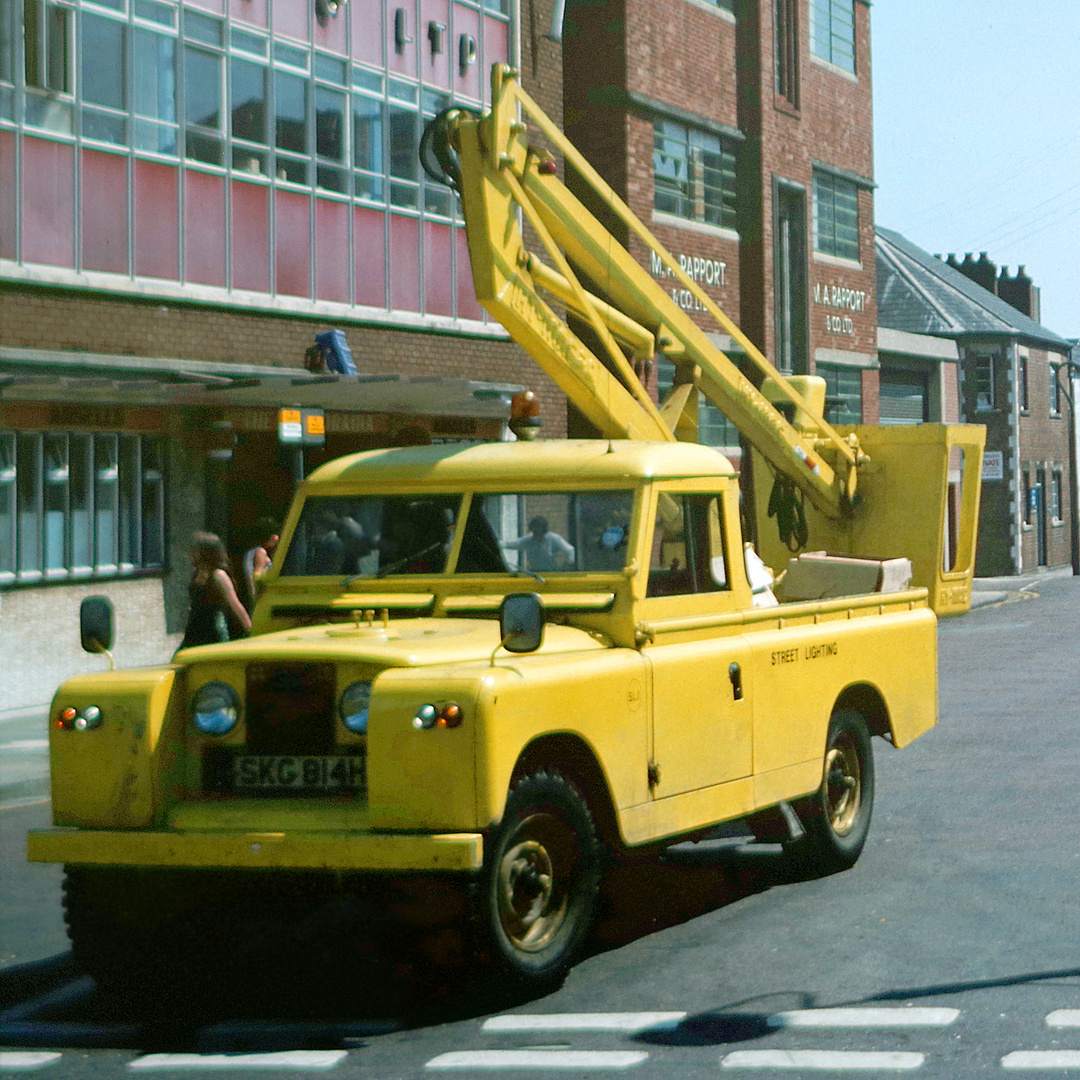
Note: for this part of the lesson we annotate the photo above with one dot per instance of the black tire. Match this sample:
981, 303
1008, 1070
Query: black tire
113, 934
837, 816
541, 877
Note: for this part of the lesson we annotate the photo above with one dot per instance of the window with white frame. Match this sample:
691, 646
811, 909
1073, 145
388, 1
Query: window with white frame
694, 174
48, 37
80, 505
172, 81
1055, 391
832, 32
836, 216
982, 377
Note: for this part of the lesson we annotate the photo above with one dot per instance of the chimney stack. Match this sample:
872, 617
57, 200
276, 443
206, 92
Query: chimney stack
1020, 292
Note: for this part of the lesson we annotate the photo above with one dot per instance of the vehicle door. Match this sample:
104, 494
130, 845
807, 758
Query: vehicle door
697, 658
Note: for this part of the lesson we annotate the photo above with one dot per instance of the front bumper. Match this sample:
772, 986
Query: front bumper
456, 852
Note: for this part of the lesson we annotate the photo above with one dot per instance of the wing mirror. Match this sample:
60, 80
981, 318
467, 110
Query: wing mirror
521, 622
96, 624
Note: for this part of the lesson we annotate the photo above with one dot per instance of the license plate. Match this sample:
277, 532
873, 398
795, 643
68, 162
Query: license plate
282, 773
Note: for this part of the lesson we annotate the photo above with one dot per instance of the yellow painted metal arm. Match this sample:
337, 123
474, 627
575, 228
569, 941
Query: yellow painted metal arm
500, 173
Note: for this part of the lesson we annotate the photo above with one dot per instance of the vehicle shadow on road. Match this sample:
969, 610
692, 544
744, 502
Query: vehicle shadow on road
348, 972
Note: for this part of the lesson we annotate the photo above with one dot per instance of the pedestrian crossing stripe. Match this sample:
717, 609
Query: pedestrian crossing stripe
864, 1018
299, 1060
538, 1059
628, 1023
831, 1060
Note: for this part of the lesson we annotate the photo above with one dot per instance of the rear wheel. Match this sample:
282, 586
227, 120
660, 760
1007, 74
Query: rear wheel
541, 877
837, 816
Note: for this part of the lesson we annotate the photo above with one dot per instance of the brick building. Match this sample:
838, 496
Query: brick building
1012, 376
741, 133
189, 193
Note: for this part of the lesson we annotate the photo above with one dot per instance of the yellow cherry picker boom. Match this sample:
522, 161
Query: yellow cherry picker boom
863, 490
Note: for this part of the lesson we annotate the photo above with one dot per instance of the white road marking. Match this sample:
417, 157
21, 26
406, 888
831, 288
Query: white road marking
835, 1060
20, 1061
863, 1018
626, 1023
1042, 1059
538, 1059
1063, 1018
288, 1059
25, 744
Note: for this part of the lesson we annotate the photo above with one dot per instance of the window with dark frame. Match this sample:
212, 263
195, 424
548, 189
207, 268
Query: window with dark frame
836, 216
77, 505
694, 174
787, 51
1056, 488
843, 393
832, 32
1022, 380
1055, 391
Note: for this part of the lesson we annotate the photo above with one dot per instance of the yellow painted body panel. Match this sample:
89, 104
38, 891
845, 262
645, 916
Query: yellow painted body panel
111, 776
695, 708
260, 850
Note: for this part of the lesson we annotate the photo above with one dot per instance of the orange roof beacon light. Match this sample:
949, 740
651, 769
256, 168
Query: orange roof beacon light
525, 415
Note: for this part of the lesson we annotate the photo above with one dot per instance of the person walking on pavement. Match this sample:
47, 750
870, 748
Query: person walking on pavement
216, 612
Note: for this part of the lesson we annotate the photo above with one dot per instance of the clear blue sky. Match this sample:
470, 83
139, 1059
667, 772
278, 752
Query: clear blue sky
977, 135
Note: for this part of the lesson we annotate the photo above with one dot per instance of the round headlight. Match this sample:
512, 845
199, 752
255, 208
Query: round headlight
353, 707
215, 708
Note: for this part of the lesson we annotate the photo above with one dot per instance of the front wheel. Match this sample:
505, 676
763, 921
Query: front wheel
541, 877
837, 816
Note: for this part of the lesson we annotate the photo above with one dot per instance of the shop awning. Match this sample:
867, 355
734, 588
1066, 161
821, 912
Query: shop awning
92, 378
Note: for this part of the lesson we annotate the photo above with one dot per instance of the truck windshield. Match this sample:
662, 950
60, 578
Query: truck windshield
540, 532
394, 534
504, 533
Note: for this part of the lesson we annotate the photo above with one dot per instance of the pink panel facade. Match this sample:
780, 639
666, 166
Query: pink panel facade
48, 202
331, 250
157, 220
496, 49
291, 18
470, 83
204, 228
250, 236
438, 269
403, 61
369, 254
368, 31
435, 67
333, 35
249, 11
292, 243
468, 307
103, 216
404, 263
8, 211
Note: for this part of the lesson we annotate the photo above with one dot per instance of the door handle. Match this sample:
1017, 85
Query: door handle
734, 673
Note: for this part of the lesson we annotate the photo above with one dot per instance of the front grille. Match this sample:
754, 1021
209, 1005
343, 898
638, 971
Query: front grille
289, 708
290, 750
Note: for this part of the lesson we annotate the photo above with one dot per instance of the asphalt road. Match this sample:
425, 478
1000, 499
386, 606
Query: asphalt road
949, 951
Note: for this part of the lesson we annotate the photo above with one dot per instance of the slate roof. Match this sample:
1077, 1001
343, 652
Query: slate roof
922, 294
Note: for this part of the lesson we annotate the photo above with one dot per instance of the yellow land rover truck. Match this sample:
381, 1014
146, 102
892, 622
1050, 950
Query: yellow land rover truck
488, 664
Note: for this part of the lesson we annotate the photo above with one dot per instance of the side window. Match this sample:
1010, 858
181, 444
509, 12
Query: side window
688, 547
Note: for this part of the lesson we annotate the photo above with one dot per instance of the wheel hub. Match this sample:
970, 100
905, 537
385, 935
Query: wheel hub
843, 788
531, 897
